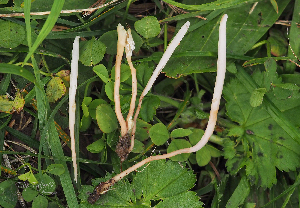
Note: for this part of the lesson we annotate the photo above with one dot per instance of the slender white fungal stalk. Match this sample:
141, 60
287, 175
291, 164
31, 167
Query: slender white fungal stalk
221, 69
130, 123
122, 34
163, 61
72, 104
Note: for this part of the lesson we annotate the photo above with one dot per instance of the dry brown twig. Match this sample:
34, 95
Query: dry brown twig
221, 69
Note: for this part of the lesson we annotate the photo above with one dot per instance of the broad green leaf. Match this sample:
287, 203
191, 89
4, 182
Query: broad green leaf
142, 129
143, 72
96, 146
55, 89
102, 72
180, 132
148, 27
28, 176
55, 169
196, 136
46, 184
177, 144
139, 147
214, 152
203, 156
11, 34
272, 145
159, 134
125, 72
161, 180
110, 40
109, 90
93, 105
91, 52
186, 199
240, 194
40, 202
106, 118
29, 194
149, 106
257, 97
8, 196
244, 28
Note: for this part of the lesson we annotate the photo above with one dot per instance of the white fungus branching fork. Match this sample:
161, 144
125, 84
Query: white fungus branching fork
128, 127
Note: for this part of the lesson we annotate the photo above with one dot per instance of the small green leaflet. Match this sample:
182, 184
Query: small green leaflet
165, 183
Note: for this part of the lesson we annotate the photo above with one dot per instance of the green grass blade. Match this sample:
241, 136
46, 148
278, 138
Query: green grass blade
58, 155
47, 27
210, 6
288, 190
17, 70
27, 6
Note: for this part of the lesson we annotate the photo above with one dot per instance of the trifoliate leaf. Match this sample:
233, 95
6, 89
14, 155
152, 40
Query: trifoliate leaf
139, 147
96, 146
196, 136
148, 27
269, 144
28, 176
125, 73
91, 52
93, 105
8, 196
29, 194
46, 185
40, 202
55, 89
177, 144
110, 39
203, 156
55, 169
149, 106
180, 132
109, 90
11, 35
106, 118
102, 72
159, 134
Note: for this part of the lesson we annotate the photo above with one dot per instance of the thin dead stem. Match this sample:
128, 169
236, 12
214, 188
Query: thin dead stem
62, 11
